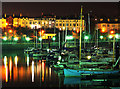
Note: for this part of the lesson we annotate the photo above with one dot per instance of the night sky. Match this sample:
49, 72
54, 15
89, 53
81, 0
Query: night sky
34, 9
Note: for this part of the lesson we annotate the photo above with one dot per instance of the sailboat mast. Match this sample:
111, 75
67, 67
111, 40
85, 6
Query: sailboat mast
80, 35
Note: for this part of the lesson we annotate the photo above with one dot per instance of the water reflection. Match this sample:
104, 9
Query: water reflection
27, 60
16, 60
24, 71
32, 71
19, 70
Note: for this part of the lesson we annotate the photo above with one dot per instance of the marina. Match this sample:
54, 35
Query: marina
60, 48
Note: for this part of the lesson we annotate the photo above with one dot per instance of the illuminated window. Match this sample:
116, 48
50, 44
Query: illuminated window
101, 19
116, 19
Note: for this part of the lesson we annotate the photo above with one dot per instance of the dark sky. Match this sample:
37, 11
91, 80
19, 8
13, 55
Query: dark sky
33, 9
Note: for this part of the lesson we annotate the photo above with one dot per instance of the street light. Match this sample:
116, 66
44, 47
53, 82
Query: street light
69, 37
16, 39
54, 38
101, 37
27, 39
86, 37
10, 31
40, 38
110, 36
5, 38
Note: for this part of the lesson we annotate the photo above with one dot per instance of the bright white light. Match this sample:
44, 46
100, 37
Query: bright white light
32, 71
110, 36
69, 37
27, 38
60, 29
16, 38
16, 60
5, 38
88, 57
32, 26
117, 36
27, 60
86, 37
63, 28
5, 60
40, 39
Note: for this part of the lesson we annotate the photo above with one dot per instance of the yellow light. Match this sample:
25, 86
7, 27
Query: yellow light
88, 57
16, 60
63, 28
110, 36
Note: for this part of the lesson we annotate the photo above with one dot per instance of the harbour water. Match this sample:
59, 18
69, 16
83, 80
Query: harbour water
20, 70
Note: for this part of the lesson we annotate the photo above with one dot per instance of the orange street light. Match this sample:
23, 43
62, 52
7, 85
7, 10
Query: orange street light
10, 31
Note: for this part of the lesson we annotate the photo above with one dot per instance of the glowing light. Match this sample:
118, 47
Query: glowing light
69, 37
103, 30
5, 61
40, 38
117, 36
43, 71
6, 23
54, 38
32, 26
60, 29
86, 37
16, 60
16, 38
32, 71
74, 28
88, 57
110, 36
63, 28
27, 60
10, 31
101, 37
27, 39
4, 38
112, 32
10, 64
6, 72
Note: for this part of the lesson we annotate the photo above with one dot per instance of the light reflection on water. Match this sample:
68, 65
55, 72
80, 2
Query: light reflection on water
19, 70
